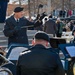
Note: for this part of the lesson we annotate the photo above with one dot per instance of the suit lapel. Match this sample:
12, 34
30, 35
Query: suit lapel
13, 21
20, 23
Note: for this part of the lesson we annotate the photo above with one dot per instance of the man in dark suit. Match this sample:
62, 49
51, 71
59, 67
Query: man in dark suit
50, 27
39, 60
3, 8
16, 27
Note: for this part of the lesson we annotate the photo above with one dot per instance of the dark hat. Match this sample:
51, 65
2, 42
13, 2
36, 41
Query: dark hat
42, 35
18, 9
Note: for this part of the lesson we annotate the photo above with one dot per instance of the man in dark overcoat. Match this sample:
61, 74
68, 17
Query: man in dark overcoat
16, 27
50, 27
39, 59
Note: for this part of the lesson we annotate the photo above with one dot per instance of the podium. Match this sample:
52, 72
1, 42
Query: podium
69, 61
62, 47
55, 41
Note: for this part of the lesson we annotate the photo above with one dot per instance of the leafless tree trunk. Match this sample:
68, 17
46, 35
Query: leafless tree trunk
69, 4
49, 6
62, 4
34, 7
38, 6
29, 9
20, 3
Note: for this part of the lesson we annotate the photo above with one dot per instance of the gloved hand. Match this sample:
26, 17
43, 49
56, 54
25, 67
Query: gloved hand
17, 28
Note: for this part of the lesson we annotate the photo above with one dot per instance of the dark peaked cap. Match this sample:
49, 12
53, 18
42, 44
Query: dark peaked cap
18, 9
42, 35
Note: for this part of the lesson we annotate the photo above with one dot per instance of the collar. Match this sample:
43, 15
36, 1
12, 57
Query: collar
38, 46
16, 19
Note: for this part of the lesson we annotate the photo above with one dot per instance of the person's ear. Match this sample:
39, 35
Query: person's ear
46, 43
32, 42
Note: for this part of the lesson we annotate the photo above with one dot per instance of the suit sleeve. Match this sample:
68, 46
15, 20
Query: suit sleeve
59, 69
8, 29
29, 23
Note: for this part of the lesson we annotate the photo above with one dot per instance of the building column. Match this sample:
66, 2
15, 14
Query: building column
49, 6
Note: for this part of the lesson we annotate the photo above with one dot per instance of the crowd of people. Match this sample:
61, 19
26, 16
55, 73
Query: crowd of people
39, 59
63, 13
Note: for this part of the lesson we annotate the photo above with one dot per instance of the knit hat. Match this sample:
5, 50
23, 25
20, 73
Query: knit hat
18, 9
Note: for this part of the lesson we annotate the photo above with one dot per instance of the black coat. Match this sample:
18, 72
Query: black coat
19, 37
39, 61
50, 27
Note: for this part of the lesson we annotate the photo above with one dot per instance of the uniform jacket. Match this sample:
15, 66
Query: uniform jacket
39, 61
50, 27
21, 35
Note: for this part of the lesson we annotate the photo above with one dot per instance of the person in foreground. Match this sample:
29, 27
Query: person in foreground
39, 59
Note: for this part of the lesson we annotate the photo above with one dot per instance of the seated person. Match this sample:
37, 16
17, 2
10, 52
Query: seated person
39, 59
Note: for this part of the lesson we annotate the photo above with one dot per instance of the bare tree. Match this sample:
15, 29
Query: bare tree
69, 4
62, 4
29, 8
20, 3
